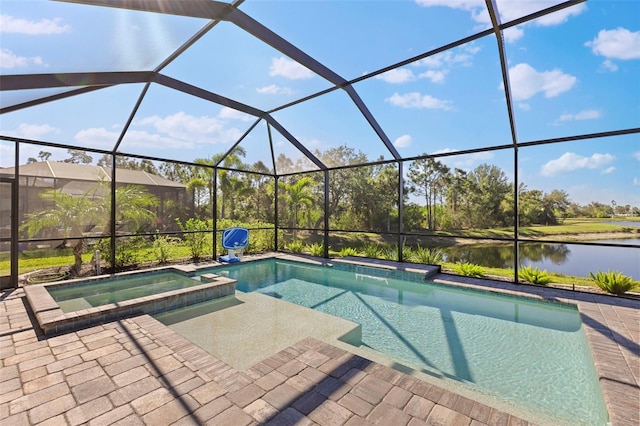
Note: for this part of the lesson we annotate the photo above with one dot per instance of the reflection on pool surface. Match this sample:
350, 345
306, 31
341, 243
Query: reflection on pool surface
531, 353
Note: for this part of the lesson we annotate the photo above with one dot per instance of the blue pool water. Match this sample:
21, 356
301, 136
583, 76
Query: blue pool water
530, 353
74, 297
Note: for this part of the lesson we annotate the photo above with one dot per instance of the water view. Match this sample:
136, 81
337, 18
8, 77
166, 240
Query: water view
568, 259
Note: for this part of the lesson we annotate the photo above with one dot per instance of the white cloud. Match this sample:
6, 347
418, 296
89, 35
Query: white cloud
289, 69
508, 11
8, 59
397, 76
466, 161
587, 114
636, 155
10, 24
100, 137
403, 141
439, 65
462, 55
569, 162
97, 137
608, 170
234, 114
524, 106
7, 155
185, 127
636, 182
555, 18
434, 76
417, 100
526, 82
435, 61
32, 131
513, 34
609, 65
155, 141
275, 90
616, 44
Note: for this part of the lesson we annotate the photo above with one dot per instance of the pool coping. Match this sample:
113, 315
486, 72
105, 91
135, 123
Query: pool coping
52, 319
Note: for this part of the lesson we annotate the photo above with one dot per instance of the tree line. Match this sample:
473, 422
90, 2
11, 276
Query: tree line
435, 196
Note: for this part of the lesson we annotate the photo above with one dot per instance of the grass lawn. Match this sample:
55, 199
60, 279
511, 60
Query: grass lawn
570, 229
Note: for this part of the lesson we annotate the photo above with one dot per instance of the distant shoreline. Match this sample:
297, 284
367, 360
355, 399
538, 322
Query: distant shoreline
569, 238
591, 236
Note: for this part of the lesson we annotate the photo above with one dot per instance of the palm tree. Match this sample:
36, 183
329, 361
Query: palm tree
76, 215
298, 195
133, 206
195, 186
72, 214
227, 179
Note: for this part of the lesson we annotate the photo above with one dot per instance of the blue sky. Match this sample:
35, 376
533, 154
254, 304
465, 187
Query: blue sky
573, 72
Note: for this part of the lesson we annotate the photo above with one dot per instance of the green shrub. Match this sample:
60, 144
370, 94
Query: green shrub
468, 269
372, 251
407, 253
388, 252
164, 248
316, 249
613, 282
427, 255
196, 236
295, 246
128, 250
534, 275
348, 251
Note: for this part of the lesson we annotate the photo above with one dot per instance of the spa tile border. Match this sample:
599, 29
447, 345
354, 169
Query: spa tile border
52, 319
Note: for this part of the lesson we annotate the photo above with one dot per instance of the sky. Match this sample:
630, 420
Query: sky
572, 72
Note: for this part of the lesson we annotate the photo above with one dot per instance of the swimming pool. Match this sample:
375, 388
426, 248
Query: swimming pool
530, 353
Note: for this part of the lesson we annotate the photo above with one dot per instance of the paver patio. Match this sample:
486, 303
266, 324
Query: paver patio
138, 371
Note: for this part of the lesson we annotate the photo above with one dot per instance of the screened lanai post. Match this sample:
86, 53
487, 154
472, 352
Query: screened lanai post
112, 213
214, 203
516, 225
275, 212
492, 8
273, 155
326, 214
400, 208
15, 189
275, 177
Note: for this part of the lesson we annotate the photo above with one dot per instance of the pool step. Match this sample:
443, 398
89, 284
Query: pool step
387, 268
209, 278
185, 269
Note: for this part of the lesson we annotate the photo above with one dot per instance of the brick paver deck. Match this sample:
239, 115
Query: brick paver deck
137, 371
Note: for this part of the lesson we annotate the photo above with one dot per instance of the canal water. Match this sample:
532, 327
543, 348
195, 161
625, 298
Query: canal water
568, 259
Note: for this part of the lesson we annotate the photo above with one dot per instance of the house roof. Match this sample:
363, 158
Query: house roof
90, 173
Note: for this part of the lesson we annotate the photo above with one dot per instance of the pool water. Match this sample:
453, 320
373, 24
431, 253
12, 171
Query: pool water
74, 297
530, 353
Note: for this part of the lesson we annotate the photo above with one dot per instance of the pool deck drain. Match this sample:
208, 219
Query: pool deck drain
138, 371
